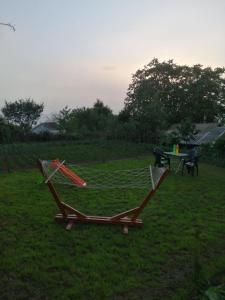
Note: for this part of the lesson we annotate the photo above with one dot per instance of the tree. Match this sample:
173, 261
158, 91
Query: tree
4, 131
85, 122
10, 133
65, 121
23, 112
9, 25
101, 115
149, 116
186, 130
181, 91
101, 109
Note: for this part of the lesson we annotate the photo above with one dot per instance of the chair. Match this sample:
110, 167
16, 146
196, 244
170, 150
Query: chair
161, 160
191, 164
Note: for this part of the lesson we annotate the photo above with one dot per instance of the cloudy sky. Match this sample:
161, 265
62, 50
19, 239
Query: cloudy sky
70, 52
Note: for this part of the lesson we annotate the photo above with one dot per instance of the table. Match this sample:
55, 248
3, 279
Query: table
177, 155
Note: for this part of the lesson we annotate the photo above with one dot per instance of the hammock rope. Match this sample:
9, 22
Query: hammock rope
91, 178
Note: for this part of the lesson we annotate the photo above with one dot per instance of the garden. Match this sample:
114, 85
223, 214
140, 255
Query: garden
177, 254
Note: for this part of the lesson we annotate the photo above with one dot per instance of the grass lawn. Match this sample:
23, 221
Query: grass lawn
181, 245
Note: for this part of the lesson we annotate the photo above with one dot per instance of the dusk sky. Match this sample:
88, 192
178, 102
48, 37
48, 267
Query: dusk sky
71, 52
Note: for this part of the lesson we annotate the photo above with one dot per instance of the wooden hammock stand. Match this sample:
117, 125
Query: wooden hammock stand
71, 215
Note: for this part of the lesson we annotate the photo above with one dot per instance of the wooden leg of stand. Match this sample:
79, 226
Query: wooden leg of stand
70, 225
125, 229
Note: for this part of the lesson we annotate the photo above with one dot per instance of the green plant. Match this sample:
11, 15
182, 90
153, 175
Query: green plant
214, 293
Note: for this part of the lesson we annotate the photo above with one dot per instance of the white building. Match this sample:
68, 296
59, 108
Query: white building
50, 127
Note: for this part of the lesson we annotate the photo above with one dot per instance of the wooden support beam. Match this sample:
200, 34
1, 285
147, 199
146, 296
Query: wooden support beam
52, 190
149, 196
124, 214
99, 220
71, 209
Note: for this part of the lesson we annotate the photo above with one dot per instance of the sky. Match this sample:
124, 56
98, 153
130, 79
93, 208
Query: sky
71, 52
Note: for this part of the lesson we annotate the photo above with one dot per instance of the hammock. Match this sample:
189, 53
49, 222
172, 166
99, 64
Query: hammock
58, 173
92, 178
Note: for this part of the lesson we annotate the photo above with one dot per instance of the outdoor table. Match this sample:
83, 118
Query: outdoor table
180, 156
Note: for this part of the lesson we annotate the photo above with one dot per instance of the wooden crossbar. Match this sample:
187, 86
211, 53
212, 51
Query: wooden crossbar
53, 173
100, 220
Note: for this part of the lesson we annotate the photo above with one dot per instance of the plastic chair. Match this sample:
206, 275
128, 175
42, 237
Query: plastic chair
191, 164
161, 160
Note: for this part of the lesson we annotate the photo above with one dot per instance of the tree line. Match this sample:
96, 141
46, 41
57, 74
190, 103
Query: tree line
159, 95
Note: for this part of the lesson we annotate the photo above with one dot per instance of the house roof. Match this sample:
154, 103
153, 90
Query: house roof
47, 125
207, 133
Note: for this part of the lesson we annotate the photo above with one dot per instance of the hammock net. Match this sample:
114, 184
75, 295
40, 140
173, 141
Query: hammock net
94, 178
98, 190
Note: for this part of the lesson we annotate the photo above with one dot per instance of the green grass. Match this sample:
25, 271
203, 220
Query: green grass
41, 260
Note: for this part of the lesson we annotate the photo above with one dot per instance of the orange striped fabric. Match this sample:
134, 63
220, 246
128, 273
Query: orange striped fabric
67, 172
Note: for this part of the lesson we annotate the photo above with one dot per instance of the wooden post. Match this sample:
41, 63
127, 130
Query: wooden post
149, 195
53, 190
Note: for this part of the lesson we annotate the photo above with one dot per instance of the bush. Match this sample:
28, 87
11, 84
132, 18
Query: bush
214, 153
220, 147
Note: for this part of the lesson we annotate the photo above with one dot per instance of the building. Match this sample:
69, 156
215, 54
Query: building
49, 127
207, 133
